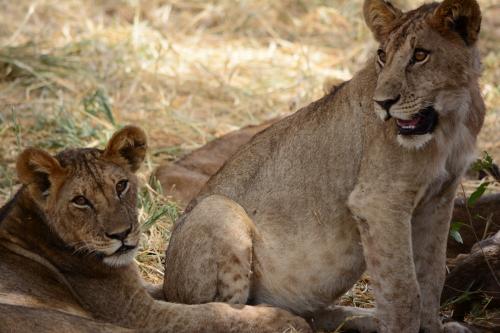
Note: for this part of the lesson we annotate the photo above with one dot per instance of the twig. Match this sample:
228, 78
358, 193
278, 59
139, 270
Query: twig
488, 224
27, 17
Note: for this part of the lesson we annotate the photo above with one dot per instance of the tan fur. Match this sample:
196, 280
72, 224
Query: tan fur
334, 189
183, 180
59, 266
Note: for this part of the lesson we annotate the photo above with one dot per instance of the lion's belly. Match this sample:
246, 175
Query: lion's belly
307, 270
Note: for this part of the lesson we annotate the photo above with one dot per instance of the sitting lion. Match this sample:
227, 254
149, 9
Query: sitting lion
363, 178
67, 244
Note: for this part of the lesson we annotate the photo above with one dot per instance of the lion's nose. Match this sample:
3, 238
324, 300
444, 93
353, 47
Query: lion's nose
119, 235
386, 104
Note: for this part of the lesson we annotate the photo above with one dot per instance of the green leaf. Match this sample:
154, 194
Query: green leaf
484, 163
455, 231
456, 226
155, 207
477, 193
98, 105
456, 236
464, 297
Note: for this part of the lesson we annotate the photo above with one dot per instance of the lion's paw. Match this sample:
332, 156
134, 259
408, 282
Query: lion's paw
277, 320
266, 319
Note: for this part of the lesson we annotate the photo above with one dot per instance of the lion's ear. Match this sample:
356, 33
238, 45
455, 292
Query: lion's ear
380, 16
38, 170
127, 147
460, 16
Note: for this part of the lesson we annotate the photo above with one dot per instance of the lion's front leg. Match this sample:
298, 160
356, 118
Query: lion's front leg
384, 222
430, 227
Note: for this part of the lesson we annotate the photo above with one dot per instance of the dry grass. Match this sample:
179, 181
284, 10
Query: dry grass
73, 71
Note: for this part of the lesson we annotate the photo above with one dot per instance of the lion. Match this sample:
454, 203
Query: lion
361, 179
67, 245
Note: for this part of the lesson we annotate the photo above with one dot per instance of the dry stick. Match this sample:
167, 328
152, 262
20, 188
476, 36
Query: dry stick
488, 224
13, 37
475, 235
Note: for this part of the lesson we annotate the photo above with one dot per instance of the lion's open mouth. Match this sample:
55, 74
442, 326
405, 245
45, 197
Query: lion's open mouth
422, 123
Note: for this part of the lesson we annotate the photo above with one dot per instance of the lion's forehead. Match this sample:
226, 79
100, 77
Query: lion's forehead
409, 25
78, 158
87, 170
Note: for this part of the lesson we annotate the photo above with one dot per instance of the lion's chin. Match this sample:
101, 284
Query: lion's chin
414, 141
122, 257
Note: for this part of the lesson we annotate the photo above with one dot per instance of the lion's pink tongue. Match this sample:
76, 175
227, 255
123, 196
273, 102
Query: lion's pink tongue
408, 123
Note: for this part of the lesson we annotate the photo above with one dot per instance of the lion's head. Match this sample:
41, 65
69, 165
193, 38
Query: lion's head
89, 196
426, 61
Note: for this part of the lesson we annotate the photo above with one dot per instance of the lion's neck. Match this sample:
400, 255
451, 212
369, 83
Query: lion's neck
24, 223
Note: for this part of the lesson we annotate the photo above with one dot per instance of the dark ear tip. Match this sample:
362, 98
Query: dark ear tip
129, 146
33, 161
133, 129
28, 151
135, 133
23, 161
462, 17
24, 158
379, 16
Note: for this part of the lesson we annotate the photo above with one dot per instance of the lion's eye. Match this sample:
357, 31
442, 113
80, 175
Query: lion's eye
121, 187
420, 55
381, 57
80, 201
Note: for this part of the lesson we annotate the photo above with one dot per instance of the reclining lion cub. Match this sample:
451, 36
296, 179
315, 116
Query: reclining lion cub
363, 178
67, 243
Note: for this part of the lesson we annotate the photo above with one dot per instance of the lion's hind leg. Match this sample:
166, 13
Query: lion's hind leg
209, 257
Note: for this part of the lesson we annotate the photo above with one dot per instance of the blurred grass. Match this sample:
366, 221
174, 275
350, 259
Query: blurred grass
72, 72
